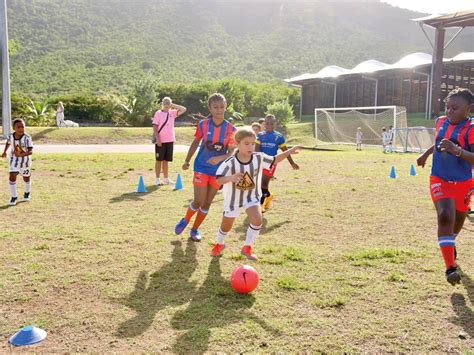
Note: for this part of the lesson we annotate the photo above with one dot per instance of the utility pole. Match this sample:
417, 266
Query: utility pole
6, 104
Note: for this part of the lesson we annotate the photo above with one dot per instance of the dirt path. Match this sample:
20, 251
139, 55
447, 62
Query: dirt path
102, 148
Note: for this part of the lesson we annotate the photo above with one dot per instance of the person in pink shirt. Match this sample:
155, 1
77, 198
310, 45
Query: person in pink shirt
163, 128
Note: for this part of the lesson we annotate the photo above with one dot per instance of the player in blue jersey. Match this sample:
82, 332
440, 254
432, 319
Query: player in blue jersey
215, 138
268, 142
451, 174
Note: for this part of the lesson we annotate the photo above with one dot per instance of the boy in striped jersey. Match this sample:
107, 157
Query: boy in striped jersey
241, 174
20, 161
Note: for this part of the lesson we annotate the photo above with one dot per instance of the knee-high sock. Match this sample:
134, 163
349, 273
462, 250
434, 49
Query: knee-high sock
190, 212
447, 245
221, 236
201, 216
13, 188
252, 234
28, 186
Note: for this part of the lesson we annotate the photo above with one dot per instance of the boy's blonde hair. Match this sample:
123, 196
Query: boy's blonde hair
256, 124
243, 133
270, 117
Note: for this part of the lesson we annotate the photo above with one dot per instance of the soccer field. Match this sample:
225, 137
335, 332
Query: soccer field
348, 261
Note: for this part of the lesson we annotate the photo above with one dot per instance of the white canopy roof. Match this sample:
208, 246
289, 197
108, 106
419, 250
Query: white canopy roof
409, 61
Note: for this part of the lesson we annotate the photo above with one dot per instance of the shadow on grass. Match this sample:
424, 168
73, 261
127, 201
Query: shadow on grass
242, 229
134, 196
213, 305
464, 313
169, 286
43, 133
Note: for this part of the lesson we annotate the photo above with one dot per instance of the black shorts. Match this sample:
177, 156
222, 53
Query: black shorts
165, 152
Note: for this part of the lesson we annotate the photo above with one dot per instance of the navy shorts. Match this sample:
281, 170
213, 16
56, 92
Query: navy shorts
165, 152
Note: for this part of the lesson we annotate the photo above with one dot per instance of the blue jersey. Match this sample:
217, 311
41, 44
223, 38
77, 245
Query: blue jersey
445, 165
215, 141
270, 142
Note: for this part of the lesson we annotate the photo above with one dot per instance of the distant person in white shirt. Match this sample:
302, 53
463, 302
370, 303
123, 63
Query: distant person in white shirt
359, 138
60, 115
391, 133
385, 140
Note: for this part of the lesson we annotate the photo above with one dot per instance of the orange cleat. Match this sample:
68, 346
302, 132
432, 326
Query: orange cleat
217, 249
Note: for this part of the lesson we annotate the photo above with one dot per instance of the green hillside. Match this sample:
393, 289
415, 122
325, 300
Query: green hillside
105, 45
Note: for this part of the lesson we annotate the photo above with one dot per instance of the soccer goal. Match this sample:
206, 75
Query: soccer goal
415, 139
339, 125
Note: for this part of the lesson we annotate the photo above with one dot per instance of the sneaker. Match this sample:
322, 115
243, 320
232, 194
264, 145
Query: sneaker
266, 203
12, 201
157, 182
470, 211
453, 276
168, 181
217, 249
26, 196
180, 226
247, 252
194, 234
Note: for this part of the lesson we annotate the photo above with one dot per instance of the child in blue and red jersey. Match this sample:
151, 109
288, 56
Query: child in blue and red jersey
451, 174
215, 136
268, 142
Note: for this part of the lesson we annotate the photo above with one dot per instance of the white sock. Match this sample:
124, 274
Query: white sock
252, 234
220, 236
28, 186
13, 189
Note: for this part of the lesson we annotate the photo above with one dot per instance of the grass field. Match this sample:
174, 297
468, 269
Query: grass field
348, 262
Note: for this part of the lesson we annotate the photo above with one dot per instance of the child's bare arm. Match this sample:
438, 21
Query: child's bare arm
290, 159
181, 109
191, 151
7, 144
286, 153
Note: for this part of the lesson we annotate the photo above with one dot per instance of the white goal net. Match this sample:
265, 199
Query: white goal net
339, 125
415, 139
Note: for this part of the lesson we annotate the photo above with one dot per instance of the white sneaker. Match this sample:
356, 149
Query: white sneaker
26, 196
168, 181
157, 181
12, 201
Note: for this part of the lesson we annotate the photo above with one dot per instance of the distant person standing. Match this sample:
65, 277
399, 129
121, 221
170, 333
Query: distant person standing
163, 129
385, 140
359, 139
391, 134
60, 115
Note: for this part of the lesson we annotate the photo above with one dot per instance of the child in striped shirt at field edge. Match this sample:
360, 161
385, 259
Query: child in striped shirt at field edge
451, 174
241, 176
20, 159
215, 138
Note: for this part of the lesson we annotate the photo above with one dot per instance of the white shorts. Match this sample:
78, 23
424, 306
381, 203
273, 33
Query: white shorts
236, 213
26, 172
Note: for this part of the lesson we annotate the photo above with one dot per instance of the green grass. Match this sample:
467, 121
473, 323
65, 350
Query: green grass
348, 262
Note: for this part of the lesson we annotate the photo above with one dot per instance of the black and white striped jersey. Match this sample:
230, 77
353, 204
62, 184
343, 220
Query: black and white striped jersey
249, 190
21, 144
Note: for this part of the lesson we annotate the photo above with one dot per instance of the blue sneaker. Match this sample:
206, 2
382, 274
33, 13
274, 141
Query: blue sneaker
180, 226
194, 233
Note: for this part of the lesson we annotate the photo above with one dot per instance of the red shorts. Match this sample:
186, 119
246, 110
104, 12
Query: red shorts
201, 179
457, 190
270, 172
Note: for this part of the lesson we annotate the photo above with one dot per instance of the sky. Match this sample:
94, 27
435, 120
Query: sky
433, 6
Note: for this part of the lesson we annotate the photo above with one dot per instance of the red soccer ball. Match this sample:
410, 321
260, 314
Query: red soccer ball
244, 279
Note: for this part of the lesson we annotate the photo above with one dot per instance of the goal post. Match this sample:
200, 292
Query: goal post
339, 125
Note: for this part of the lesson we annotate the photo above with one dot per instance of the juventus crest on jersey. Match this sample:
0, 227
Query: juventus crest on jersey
249, 189
22, 144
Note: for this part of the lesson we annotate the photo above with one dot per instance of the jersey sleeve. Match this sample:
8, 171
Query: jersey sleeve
29, 142
198, 134
268, 161
231, 138
281, 142
223, 169
470, 135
